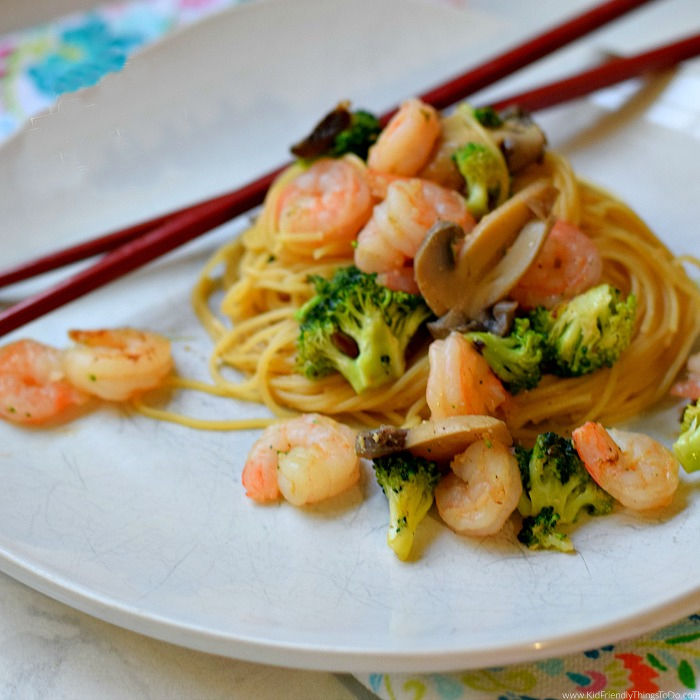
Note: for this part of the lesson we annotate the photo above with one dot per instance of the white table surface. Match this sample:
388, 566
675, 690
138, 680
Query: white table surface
48, 650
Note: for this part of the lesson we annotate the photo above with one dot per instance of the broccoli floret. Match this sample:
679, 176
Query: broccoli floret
485, 175
357, 327
554, 477
522, 456
586, 333
540, 532
690, 417
408, 483
358, 137
515, 358
340, 131
488, 117
687, 446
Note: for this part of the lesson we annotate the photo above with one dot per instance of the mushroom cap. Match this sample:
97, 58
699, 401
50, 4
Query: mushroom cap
444, 438
435, 265
453, 270
520, 139
439, 440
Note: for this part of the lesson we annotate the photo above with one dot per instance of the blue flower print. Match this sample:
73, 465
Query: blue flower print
85, 53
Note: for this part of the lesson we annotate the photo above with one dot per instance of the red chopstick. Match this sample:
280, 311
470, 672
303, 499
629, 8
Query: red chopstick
82, 251
172, 230
609, 73
442, 96
500, 66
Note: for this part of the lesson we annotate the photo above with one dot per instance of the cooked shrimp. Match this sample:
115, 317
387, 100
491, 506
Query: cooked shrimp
33, 387
568, 263
401, 279
117, 364
405, 144
460, 381
482, 490
306, 459
689, 387
391, 238
324, 207
633, 468
379, 183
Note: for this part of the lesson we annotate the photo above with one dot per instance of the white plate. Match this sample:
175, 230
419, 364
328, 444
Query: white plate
144, 524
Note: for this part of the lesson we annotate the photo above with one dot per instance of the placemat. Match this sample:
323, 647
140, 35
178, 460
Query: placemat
663, 664
39, 64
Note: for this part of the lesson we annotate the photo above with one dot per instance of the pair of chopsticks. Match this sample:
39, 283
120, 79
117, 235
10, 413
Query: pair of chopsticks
130, 248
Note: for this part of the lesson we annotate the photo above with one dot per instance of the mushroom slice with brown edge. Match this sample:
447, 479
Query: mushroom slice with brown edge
506, 273
497, 320
432, 439
521, 141
443, 439
381, 441
450, 267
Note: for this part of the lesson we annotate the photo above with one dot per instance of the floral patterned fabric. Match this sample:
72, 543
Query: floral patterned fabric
664, 664
39, 64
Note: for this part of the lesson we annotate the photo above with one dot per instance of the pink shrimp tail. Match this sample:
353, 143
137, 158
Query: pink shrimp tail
33, 389
596, 448
260, 484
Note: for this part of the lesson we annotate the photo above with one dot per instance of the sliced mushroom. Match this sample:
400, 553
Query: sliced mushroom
521, 141
381, 441
453, 321
433, 439
322, 136
505, 275
449, 266
501, 317
435, 265
497, 231
497, 320
443, 439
